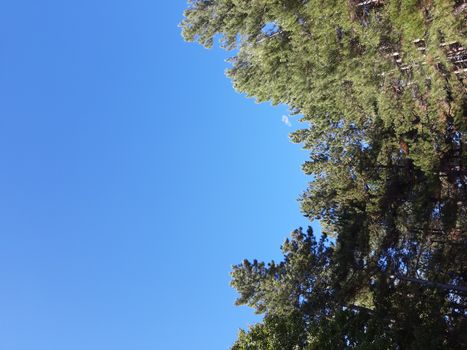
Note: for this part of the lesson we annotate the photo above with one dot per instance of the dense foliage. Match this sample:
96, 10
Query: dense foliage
381, 84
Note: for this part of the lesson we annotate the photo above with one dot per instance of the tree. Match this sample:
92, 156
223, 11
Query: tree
309, 304
381, 85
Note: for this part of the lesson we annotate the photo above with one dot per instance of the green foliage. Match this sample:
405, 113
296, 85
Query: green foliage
273, 288
274, 333
381, 89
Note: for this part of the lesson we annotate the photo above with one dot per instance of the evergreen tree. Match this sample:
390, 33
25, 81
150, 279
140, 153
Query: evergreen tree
381, 85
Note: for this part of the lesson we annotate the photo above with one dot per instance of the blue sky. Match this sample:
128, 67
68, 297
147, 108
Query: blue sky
132, 178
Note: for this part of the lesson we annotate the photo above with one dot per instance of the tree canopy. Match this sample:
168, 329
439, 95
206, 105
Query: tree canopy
381, 86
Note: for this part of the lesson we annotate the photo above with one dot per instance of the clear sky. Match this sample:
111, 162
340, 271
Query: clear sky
132, 177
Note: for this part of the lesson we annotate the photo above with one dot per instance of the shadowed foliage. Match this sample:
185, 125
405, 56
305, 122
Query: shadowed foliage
381, 87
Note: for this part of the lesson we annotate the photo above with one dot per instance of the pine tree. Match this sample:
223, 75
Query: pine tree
381, 85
